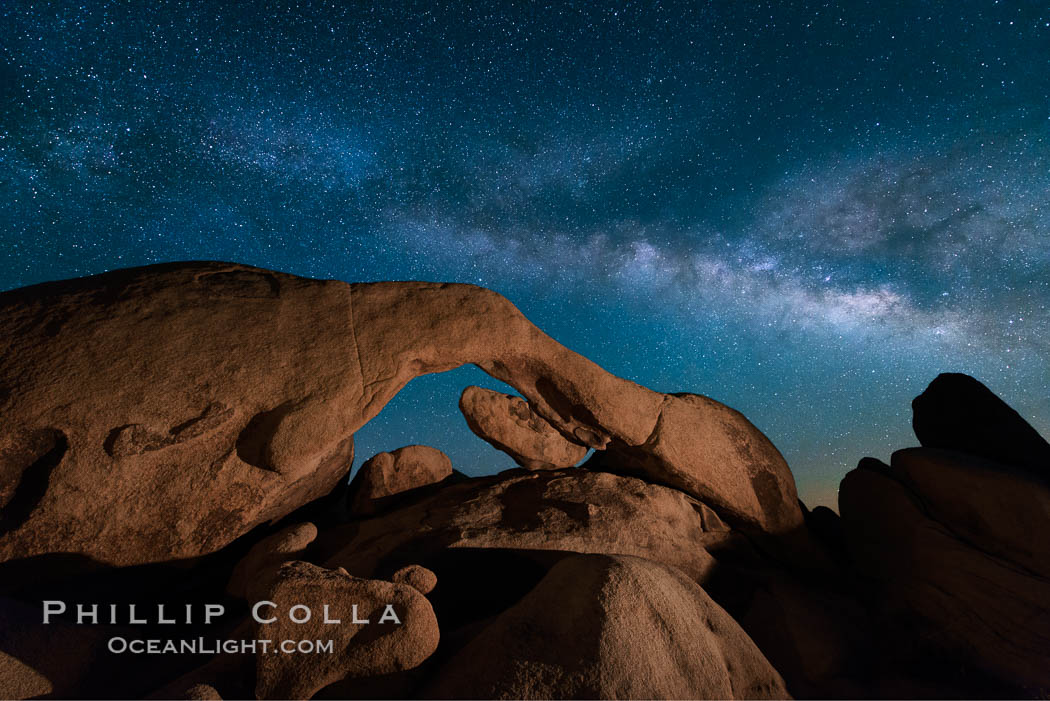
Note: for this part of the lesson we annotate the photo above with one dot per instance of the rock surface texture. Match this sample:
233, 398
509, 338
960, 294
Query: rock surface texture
359, 649
564, 510
124, 393
714, 453
507, 423
254, 574
599, 627
386, 475
158, 413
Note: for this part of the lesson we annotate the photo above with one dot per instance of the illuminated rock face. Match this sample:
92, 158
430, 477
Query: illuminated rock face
158, 413
571, 510
508, 423
385, 476
600, 627
372, 627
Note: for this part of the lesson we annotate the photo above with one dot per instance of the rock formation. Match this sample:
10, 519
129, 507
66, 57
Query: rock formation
956, 412
138, 386
948, 538
405, 329
507, 423
558, 510
377, 645
387, 475
159, 413
980, 601
202, 692
41, 661
183, 433
600, 627
254, 574
419, 578
714, 453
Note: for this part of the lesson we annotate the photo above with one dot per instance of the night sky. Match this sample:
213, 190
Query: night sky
804, 210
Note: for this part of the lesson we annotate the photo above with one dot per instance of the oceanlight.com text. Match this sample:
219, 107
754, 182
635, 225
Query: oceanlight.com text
213, 646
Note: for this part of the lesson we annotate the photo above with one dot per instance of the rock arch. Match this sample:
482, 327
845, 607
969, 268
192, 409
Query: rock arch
300, 365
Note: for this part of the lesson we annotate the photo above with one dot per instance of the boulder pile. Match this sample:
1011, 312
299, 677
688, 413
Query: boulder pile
948, 537
178, 438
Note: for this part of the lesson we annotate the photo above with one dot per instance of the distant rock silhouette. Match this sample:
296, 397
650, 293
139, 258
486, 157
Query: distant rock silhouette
956, 412
826, 527
950, 536
977, 605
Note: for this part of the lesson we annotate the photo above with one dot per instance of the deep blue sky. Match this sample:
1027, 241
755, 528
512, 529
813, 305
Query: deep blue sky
804, 210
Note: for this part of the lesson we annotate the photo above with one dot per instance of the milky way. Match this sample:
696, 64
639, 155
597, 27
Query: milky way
804, 210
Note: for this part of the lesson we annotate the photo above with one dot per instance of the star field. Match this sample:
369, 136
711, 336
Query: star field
805, 210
